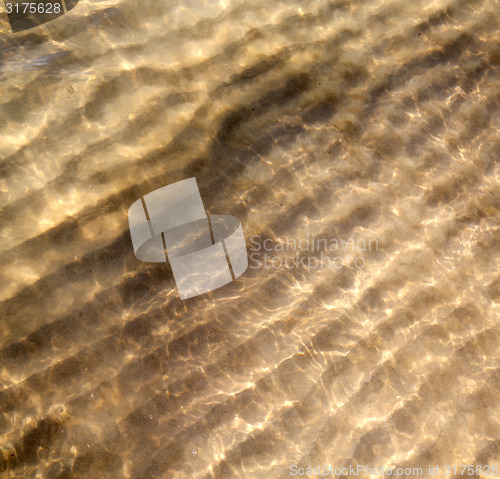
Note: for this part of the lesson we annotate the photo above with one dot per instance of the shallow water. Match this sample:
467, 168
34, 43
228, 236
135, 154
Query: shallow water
363, 122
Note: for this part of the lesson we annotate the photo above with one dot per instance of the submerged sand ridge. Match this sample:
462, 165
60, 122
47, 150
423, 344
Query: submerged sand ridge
371, 122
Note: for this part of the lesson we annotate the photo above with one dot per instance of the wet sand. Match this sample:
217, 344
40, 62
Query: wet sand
364, 121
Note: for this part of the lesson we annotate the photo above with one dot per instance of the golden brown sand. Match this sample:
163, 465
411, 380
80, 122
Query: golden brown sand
364, 120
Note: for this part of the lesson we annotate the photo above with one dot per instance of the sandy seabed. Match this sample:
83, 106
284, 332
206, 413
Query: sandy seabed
347, 120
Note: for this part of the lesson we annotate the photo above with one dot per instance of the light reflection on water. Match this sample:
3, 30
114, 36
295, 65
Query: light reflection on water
365, 120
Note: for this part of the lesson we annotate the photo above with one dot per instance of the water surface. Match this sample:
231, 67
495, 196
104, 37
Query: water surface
364, 120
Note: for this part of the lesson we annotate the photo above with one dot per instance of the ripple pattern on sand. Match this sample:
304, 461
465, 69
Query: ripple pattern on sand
366, 119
